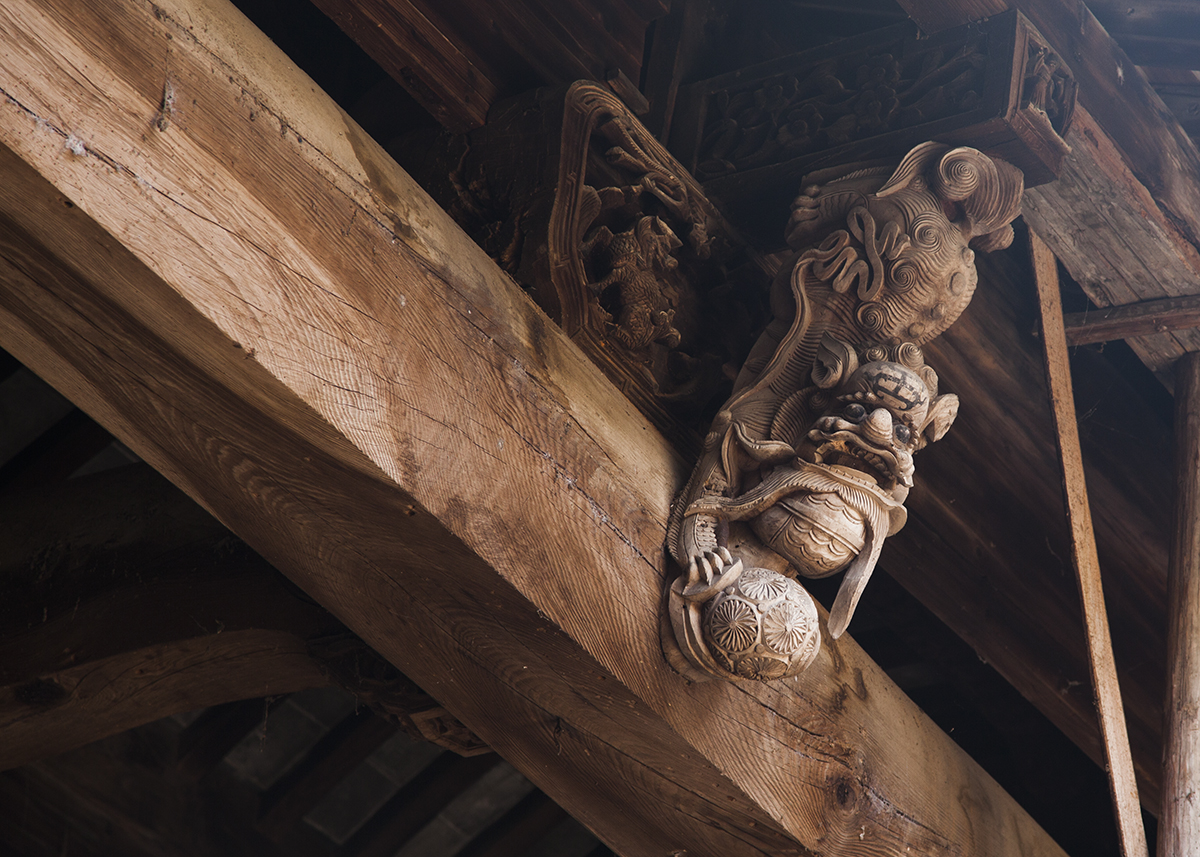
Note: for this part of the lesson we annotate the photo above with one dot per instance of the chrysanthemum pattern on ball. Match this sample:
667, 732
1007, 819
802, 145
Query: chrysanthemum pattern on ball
762, 584
762, 669
786, 627
762, 627
733, 624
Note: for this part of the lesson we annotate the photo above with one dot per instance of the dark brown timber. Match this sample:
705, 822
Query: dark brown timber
1140, 319
122, 601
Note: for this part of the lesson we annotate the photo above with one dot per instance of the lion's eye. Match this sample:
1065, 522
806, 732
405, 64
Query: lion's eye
903, 433
855, 413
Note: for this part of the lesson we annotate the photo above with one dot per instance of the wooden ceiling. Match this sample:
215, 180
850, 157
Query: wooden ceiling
980, 598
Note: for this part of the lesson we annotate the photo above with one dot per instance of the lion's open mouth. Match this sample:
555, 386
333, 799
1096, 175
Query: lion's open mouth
848, 449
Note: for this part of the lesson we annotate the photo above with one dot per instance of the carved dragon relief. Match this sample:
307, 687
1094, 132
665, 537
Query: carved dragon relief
814, 449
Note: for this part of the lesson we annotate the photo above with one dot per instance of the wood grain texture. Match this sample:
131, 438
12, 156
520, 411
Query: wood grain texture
446, 77
1085, 558
1113, 237
1179, 822
265, 308
1124, 216
67, 709
1132, 320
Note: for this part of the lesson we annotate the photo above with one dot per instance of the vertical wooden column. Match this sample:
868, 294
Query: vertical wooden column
1083, 553
1179, 822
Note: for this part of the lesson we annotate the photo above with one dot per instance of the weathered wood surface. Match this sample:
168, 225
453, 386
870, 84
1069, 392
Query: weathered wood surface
1084, 556
1114, 238
1179, 822
121, 602
1124, 217
986, 547
265, 308
458, 58
449, 80
1132, 320
69, 708
1162, 33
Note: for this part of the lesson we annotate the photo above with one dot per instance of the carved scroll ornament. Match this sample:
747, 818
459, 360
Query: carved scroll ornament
814, 449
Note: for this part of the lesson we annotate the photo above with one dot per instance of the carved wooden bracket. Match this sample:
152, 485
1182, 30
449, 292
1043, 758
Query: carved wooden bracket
994, 85
814, 449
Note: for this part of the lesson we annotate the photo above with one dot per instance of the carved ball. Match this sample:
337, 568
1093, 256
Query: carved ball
820, 534
762, 627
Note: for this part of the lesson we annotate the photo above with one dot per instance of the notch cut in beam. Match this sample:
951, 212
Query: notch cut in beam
1083, 555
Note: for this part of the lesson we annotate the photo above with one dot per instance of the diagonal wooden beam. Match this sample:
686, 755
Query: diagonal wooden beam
226, 273
122, 601
416, 804
1084, 557
337, 754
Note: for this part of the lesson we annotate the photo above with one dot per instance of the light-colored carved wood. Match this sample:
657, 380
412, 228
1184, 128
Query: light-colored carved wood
287, 325
1083, 553
1179, 818
815, 446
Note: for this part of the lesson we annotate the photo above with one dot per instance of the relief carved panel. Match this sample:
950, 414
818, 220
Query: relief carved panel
994, 85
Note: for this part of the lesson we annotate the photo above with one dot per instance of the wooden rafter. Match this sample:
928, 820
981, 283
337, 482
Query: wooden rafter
244, 289
1140, 319
146, 607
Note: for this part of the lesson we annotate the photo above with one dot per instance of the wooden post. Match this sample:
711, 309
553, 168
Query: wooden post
1083, 554
1179, 823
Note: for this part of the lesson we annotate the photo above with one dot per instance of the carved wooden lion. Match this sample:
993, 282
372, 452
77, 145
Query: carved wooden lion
814, 449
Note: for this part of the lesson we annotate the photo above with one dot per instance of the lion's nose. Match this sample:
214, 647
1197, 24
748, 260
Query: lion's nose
877, 427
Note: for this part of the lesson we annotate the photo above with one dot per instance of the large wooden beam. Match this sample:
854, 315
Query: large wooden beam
242, 287
122, 601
